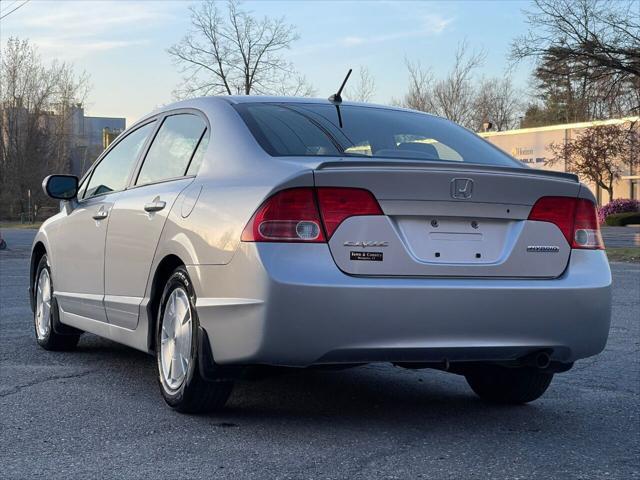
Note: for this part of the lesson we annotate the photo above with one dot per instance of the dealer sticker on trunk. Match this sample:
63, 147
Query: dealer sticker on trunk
366, 256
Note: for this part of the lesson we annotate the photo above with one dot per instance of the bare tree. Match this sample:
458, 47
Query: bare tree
365, 87
498, 102
600, 153
234, 53
587, 55
36, 103
294, 86
418, 96
451, 97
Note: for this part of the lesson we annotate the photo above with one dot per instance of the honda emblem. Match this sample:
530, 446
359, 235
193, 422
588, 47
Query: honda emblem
461, 188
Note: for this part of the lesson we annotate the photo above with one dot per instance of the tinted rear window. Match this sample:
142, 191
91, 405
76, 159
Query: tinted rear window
295, 129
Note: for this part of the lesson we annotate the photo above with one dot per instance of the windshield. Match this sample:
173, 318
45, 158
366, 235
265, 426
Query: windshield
298, 129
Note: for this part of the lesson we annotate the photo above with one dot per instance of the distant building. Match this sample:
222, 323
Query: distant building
83, 138
530, 146
87, 136
37, 143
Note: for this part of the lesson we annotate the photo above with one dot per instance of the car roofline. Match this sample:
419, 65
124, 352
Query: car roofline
240, 99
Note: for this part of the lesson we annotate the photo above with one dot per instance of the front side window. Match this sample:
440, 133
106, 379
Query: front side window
172, 148
82, 187
299, 129
113, 171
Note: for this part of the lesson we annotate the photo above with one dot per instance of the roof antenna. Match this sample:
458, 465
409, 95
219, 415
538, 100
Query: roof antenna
336, 97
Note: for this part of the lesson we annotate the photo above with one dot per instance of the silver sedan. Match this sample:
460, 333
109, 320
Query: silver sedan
236, 233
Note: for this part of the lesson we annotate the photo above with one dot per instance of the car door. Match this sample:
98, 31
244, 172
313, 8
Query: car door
139, 213
77, 243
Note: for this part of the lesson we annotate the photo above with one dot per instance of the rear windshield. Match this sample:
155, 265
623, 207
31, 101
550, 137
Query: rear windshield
296, 129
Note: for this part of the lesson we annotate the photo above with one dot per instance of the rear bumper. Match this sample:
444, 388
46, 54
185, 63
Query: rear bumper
288, 304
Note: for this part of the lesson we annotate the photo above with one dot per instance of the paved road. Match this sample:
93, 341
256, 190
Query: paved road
97, 413
621, 236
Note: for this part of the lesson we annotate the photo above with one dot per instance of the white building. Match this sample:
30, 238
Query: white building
531, 146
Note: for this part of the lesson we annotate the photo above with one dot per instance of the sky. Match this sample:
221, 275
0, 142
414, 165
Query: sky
122, 44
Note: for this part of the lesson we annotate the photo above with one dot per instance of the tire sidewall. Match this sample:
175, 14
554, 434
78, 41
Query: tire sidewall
43, 264
178, 279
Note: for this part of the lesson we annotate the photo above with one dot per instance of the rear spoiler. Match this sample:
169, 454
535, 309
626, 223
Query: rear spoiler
439, 165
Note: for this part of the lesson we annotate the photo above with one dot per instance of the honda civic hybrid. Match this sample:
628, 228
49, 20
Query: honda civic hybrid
225, 234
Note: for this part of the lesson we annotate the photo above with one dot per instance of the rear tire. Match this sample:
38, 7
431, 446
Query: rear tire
181, 384
46, 312
509, 385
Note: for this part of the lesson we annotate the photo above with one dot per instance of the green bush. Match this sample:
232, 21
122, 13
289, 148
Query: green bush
622, 219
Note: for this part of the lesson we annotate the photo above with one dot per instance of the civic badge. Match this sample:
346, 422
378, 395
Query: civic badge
461, 188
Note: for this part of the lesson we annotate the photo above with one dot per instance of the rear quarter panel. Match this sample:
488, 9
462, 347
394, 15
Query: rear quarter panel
207, 219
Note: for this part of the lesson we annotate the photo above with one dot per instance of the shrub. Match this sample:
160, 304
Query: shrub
619, 205
623, 219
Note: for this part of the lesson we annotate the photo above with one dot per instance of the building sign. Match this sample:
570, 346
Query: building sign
527, 155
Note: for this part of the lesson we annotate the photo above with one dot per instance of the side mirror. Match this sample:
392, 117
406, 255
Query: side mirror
61, 187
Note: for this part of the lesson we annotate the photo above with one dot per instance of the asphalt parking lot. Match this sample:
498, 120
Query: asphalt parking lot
97, 413
621, 236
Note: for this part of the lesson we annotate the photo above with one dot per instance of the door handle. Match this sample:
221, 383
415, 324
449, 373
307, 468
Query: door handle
100, 214
155, 206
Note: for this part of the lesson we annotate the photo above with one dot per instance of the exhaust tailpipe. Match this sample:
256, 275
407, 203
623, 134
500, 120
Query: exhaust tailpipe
539, 360
543, 360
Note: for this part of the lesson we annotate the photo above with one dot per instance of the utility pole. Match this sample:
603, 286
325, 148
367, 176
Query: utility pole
29, 206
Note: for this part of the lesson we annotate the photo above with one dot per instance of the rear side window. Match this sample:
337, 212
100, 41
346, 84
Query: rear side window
113, 171
313, 129
172, 149
198, 156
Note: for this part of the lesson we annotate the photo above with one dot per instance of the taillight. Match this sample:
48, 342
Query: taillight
338, 204
557, 210
288, 216
586, 230
294, 215
575, 217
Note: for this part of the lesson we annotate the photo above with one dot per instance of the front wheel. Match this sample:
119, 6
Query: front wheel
509, 385
46, 311
181, 384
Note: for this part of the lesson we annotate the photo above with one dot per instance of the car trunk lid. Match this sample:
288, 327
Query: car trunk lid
440, 219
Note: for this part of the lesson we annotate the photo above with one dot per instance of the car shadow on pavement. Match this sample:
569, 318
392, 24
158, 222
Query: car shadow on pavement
372, 396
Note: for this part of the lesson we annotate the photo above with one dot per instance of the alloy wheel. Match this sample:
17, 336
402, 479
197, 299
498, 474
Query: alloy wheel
43, 304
